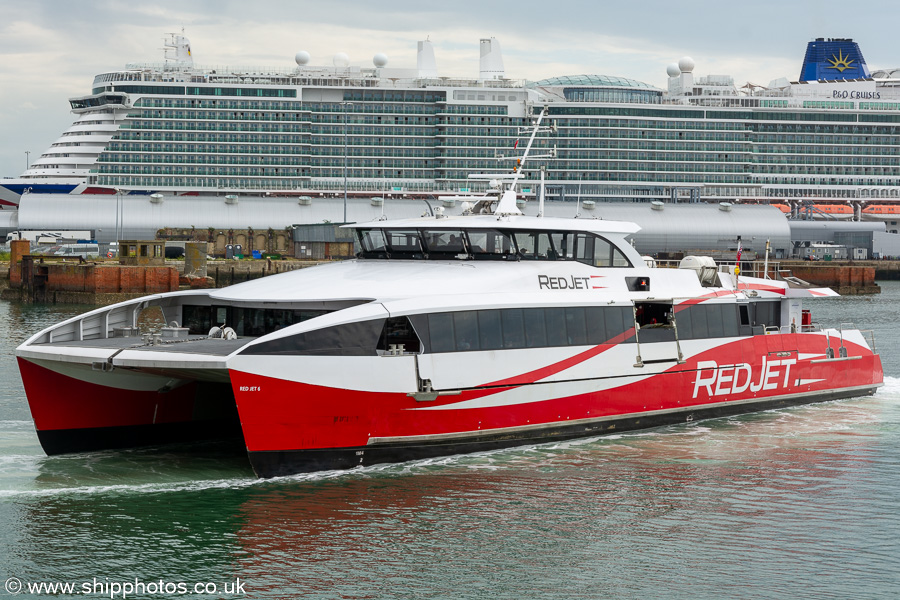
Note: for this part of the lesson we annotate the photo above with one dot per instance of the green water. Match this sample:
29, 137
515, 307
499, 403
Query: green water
798, 503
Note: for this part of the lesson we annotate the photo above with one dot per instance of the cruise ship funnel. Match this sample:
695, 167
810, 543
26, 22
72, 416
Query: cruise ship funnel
833, 58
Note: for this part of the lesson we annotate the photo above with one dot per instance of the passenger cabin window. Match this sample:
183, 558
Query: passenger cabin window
766, 313
701, 321
374, 337
516, 328
246, 322
398, 336
656, 322
360, 338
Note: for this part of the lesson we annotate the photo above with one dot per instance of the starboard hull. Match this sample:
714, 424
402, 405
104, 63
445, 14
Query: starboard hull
291, 426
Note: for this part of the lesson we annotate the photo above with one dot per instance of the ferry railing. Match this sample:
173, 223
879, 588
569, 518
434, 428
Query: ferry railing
869, 336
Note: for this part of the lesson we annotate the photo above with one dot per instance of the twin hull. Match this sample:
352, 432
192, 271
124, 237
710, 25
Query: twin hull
293, 418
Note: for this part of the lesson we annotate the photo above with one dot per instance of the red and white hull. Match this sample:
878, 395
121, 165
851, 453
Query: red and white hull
293, 422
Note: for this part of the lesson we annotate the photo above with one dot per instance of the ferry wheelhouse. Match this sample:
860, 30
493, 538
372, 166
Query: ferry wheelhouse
446, 335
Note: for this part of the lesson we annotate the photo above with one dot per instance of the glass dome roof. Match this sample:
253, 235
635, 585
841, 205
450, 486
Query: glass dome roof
593, 81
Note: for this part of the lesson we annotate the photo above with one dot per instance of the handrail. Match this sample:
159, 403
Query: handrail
869, 336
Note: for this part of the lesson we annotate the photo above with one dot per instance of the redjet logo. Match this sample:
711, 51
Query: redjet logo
545, 282
735, 379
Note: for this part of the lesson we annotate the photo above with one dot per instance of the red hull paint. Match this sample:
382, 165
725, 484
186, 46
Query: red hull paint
298, 416
60, 402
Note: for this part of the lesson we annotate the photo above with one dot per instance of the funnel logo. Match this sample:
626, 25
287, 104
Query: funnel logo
840, 62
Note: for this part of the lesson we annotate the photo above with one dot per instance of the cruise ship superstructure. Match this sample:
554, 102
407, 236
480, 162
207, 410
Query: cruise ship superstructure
180, 129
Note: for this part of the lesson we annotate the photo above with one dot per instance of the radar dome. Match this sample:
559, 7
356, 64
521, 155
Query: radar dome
302, 57
686, 64
380, 60
341, 60
673, 70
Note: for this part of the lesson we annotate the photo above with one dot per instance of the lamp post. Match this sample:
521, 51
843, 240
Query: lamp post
119, 219
344, 114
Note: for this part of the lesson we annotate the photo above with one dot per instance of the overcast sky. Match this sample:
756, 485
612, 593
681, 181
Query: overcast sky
51, 50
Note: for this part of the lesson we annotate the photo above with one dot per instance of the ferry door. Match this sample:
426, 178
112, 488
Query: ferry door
656, 334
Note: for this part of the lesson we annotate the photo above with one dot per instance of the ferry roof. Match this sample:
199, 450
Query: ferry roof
505, 222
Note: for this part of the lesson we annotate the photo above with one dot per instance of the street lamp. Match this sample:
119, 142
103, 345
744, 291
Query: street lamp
120, 220
344, 111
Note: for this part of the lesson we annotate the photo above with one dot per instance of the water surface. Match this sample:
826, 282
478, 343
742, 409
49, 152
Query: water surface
795, 503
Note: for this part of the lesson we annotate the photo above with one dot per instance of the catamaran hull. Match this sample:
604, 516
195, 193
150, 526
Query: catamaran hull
291, 426
293, 418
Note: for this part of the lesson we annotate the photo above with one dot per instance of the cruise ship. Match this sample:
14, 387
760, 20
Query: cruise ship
178, 129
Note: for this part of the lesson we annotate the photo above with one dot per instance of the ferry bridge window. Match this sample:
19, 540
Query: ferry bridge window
443, 242
563, 244
488, 244
404, 243
598, 252
372, 242
534, 245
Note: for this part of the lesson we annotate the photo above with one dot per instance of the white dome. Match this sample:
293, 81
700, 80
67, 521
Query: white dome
673, 70
302, 57
686, 64
341, 60
380, 60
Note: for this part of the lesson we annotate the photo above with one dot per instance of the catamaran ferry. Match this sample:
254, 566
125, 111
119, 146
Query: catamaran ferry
179, 130
446, 335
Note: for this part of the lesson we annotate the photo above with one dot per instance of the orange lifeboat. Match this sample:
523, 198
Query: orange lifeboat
881, 212
836, 211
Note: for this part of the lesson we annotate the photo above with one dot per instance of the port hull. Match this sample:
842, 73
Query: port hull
73, 412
